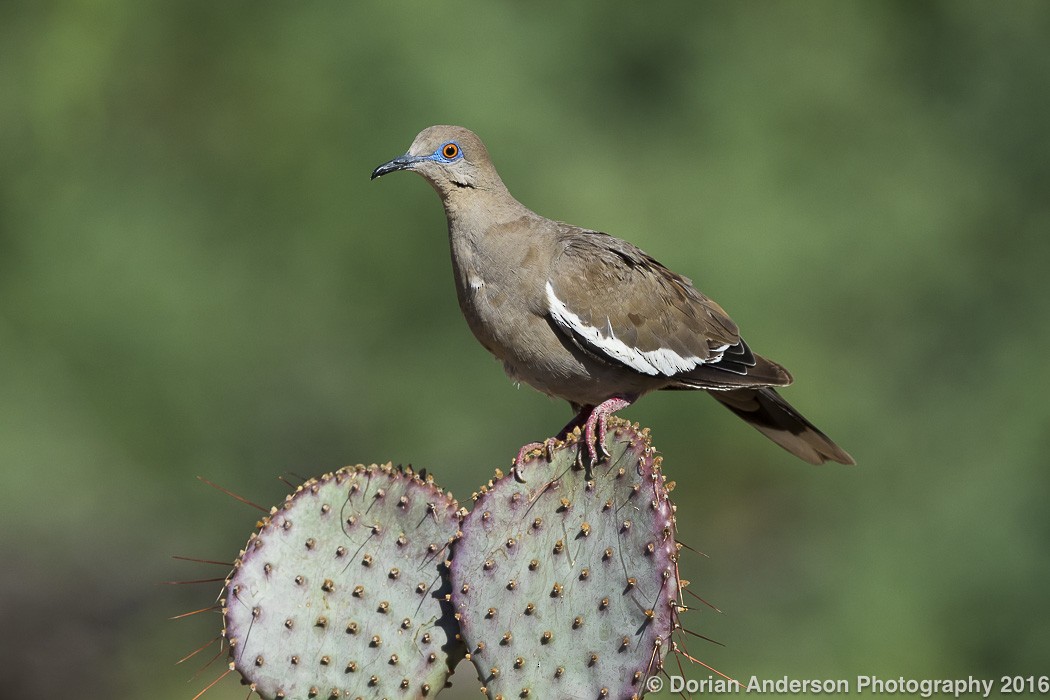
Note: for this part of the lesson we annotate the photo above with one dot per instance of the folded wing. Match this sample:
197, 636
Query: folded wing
614, 301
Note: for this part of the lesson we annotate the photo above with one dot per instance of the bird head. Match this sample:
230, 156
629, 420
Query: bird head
449, 157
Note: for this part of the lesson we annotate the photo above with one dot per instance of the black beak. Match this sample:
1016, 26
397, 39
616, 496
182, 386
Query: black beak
404, 162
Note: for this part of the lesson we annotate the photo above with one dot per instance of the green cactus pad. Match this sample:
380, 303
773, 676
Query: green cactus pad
566, 586
341, 593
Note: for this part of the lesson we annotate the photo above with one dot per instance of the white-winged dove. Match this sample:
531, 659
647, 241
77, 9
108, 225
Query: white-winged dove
589, 318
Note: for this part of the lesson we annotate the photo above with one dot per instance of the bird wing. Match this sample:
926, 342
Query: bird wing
615, 301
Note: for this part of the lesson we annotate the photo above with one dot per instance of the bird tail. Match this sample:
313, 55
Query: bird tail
766, 411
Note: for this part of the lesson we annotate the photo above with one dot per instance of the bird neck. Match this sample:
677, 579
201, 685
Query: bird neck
476, 209
492, 235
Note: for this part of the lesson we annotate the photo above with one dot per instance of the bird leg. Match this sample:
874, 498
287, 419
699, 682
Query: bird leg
548, 445
596, 422
591, 419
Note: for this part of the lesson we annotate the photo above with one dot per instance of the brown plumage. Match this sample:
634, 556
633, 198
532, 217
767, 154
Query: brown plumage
587, 317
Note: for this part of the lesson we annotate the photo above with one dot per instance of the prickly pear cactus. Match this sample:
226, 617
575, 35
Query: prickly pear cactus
341, 591
566, 586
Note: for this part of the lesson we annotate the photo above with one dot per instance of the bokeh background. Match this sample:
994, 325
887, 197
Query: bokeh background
198, 278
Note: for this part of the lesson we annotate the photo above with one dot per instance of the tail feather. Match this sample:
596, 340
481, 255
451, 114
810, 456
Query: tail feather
766, 411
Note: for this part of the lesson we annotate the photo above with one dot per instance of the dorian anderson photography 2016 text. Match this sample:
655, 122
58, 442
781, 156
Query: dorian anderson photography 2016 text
873, 685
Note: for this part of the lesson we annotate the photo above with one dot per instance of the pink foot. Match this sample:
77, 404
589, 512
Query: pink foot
596, 422
593, 421
519, 461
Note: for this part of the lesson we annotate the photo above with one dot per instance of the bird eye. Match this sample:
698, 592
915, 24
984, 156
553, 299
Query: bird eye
450, 150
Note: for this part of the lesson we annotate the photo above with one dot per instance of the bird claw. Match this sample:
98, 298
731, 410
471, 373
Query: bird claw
594, 431
595, 428
547, 446
595, 442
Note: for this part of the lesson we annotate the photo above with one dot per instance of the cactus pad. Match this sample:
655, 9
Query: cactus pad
341, 591
566, 586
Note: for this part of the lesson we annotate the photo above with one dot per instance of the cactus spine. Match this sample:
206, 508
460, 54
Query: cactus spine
369, 583
341, 591
566, 585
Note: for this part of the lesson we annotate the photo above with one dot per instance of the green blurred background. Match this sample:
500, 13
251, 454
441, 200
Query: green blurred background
197, 278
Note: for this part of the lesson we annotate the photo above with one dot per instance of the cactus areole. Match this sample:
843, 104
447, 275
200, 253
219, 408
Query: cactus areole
370, 583
566, 586
341, 593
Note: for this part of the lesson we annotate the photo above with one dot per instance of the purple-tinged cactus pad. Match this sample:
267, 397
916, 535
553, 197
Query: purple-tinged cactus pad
341, 591
566, 586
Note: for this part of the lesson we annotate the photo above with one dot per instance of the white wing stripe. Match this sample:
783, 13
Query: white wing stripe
660, 361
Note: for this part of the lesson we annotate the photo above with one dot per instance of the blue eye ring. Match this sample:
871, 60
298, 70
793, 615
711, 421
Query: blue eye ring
450, 151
